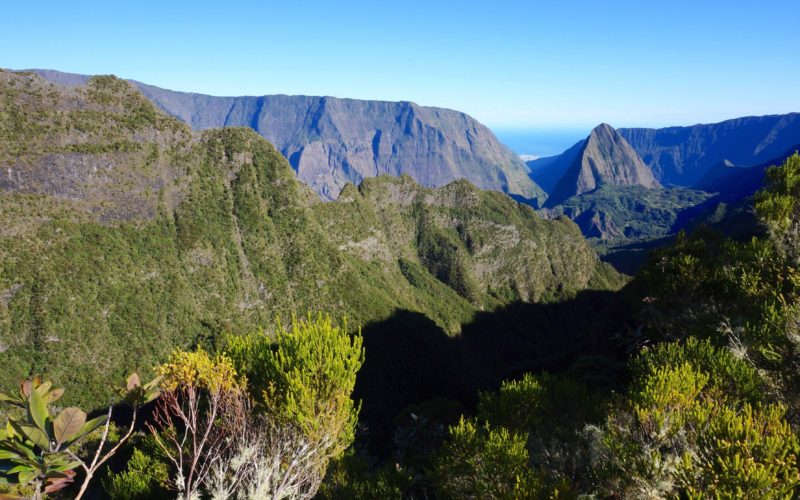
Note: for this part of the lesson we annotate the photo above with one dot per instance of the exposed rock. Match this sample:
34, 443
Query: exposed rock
8, 294
331, 142
605, 158
598, 225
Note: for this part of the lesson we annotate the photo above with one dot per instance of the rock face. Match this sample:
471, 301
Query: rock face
605, 158
330, 142
681, 156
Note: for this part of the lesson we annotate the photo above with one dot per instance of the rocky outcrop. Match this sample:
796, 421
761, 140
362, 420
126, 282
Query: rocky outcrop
605, 158
330, 142
546, 172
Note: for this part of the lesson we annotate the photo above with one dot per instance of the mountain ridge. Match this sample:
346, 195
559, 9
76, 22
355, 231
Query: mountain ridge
331, 141
682, 155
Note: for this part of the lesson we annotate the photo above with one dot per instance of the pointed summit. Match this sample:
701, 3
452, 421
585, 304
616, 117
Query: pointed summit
605, 158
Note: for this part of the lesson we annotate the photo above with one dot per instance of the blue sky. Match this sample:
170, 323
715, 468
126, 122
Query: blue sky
511, 64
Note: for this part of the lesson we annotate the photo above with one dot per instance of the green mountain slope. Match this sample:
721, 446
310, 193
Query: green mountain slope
123, 235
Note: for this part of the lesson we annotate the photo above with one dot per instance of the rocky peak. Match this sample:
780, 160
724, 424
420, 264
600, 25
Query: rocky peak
606, 158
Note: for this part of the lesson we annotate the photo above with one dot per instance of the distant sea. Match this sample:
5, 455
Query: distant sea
540, 142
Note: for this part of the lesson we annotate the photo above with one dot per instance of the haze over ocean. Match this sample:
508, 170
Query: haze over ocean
540, 142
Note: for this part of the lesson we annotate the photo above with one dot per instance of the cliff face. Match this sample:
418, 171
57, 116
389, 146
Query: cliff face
330, 142
606, 158
681, 156
125, 234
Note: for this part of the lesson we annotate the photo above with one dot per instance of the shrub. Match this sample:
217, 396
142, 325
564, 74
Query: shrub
734, 377
484, 462
304, 376
144, 477
749, 453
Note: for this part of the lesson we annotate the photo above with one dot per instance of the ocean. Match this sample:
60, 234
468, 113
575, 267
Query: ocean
540, 142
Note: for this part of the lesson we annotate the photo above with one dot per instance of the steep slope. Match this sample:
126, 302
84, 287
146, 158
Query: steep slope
682, 155
605, 158
330, 142
546, 172
125, 234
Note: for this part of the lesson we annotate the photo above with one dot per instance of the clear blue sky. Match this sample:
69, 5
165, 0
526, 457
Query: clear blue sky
509, 63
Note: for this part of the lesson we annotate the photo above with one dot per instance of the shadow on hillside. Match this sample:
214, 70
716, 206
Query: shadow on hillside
629, 257
410, 360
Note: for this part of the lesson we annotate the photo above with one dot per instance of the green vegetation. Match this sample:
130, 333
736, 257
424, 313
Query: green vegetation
112, 256
261, 420
630, 213
483, 463
707, 407
494, 355
144, 476
623, 223
305, 377
38, 448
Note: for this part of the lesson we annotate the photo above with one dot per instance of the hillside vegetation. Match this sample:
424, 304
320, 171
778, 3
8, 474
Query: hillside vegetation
125, 235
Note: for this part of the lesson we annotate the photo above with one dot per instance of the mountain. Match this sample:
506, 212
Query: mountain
605, 158
682, 155
125, 234
331, 142
730, 179
734, 182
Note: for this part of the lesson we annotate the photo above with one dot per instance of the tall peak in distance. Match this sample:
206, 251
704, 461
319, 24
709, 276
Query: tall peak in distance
605, 158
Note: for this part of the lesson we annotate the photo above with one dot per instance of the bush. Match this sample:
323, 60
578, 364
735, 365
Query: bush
304, 376
144, 477
749, 453
540, 403
354, 478
737, 379
301, 380
484, 462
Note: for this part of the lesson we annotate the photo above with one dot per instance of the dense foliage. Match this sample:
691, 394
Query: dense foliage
124, 234
709, 406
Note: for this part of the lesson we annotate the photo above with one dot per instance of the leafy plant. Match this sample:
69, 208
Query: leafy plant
37, 448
